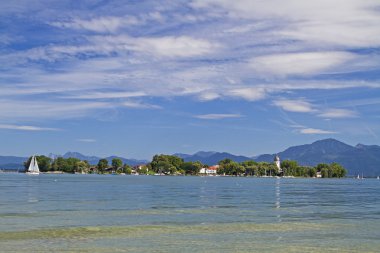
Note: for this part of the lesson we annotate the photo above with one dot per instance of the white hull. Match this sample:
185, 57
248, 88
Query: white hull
32, 173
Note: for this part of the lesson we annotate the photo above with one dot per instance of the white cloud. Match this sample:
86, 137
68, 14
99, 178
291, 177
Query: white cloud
100, 24
208, 96
182, 46
338, 113
348, 23
294, 105
138, 105
193, 58
31, 110
109, 45
218, 116
320, 85
86, 140
27, 128
167, 46
109, 95
315, 131
249, 93
308, 63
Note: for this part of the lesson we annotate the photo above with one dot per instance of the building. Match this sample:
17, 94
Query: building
278, 163
212, 170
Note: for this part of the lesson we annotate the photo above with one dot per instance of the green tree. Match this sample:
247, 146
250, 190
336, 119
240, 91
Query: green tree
312, 172
337, 170
229, 167
82, 167
127, 169
102, 165
166, 164
289, 167
72, 164
191, 168
117, 163
323, 168
143, 170
59, 164
325, 172
263, 169
250, 167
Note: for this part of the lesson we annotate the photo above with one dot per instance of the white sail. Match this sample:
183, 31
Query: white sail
33, 166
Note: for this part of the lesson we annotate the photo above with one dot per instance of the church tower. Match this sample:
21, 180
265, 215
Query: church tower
278, 163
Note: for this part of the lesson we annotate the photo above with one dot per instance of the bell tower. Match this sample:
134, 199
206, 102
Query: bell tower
278, 163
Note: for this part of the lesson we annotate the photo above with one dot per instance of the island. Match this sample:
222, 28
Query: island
172, 165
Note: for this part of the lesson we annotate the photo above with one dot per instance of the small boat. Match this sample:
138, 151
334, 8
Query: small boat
378, 177
33, 167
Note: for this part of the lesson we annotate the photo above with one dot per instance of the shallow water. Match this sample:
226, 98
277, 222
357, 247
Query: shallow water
94, 213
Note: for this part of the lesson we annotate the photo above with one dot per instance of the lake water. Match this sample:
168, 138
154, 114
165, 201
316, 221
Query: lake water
94, 213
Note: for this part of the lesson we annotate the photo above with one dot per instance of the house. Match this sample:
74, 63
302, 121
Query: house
212, 170
319, 174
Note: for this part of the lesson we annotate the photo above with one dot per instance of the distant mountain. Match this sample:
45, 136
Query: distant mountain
359, 159
12, 162
211, 157
90, 159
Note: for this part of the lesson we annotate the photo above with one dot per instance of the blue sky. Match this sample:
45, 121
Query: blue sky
136, 78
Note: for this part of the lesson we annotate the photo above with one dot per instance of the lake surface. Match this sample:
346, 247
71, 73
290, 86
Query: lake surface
95, 213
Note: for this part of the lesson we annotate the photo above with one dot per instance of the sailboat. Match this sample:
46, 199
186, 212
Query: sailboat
33, 167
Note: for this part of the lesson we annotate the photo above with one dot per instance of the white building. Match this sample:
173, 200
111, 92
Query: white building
278, 163
210, 170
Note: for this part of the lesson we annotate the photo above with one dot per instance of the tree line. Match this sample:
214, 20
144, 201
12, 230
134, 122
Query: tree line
173, 165
75, 165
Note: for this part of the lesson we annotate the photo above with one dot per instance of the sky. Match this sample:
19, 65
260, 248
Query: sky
137, 78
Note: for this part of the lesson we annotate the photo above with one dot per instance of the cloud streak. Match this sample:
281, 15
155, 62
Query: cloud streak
308, 63
86, 140
294, 105
217, 116
338, 113
100, 24
315, 131
27, 128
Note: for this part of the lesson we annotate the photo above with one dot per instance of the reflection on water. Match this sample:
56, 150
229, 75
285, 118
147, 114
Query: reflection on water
278, 193
32, 189
92, 213
278, 202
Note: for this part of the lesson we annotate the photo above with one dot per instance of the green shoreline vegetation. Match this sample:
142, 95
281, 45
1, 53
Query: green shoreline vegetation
173, 165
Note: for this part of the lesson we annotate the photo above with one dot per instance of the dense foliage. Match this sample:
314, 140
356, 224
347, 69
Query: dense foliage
173, 165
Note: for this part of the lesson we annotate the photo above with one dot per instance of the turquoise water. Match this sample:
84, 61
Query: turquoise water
94, 213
